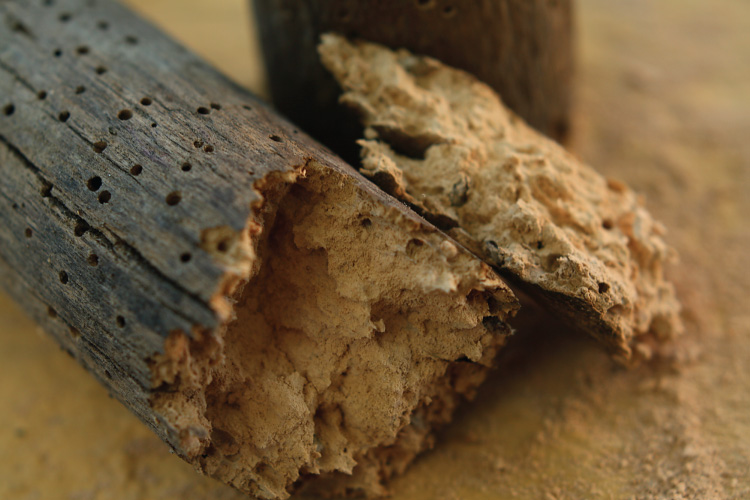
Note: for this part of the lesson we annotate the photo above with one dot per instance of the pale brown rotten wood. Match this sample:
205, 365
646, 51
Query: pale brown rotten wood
118, 149
521, 48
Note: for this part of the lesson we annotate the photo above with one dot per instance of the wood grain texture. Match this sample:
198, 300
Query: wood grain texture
119, 150
521, 48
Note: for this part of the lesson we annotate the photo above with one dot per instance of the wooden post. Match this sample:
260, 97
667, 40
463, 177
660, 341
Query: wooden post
521, 48
178, 237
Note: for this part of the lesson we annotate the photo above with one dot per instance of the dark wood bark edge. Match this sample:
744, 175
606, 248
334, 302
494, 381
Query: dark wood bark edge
521, 48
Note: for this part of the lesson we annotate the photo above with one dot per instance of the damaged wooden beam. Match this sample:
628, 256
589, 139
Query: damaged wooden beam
267, 311
442, 141
523, 49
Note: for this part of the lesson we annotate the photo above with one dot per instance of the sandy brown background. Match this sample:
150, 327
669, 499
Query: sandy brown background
663, 103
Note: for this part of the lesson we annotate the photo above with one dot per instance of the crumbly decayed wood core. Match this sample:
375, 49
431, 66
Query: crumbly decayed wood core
357, 334
443, 142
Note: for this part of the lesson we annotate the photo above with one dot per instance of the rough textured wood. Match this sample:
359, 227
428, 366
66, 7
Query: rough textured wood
142, 228
443, 142
521, 48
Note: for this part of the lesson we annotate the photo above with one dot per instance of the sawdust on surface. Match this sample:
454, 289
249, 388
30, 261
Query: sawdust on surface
663, 105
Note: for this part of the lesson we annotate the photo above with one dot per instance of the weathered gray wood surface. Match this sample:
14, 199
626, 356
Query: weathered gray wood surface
521, 48
118, 148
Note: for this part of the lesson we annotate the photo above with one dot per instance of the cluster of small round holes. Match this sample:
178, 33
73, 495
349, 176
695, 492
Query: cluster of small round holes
125, 114
186, 167
104, 197
93, 260
120, 322
28, 232
94, 183
81, 229
80, 89
64, 116
63, 277
136, 170
100, 146
173, 198
9, 109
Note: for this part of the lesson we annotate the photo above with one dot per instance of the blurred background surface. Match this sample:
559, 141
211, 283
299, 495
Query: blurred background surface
663, 103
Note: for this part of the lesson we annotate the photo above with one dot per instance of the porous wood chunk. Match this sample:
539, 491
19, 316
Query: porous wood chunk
357, 334
443, 142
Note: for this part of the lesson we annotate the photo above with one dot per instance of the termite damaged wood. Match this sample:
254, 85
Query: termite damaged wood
235, 284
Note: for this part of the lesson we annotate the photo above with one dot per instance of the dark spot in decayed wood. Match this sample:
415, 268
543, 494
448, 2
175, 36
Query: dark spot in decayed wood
18, 27
186, 257
64, 116
82, 50
80, 89
41, 95
125, 114
136, 170
65, 17
216, 106
146, 101
28, 232
186, 167
203, 110
81, 228
131, 40
94, 183
173, 198
99, 146
100, 70
208, 149
102, 25
46, 189
104, 197
51, 312
93, 260
63, 277
9, 109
